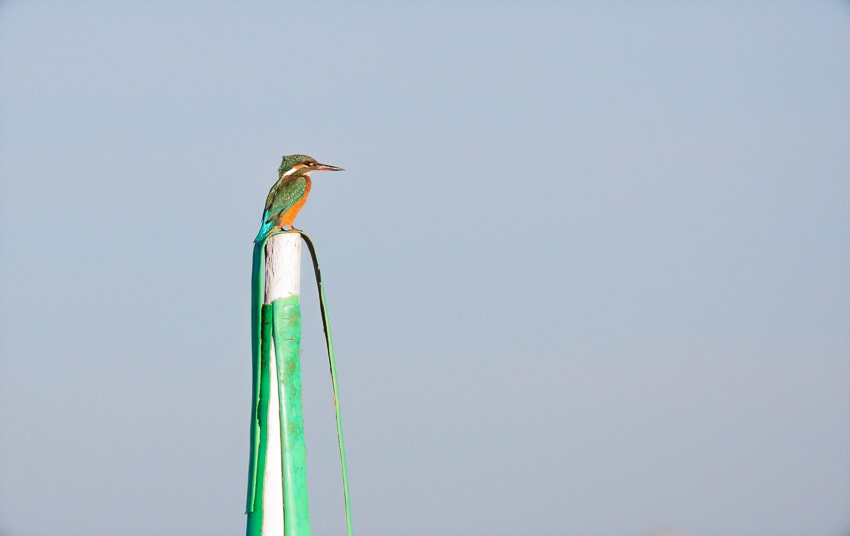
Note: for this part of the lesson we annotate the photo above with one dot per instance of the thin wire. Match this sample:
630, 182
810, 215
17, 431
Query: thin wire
332, 363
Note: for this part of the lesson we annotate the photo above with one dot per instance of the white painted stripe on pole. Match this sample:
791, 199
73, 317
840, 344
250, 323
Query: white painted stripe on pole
272, 479
283, 266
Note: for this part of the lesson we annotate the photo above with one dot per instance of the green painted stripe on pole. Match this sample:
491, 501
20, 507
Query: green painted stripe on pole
286, 330
256, 373
332, 362
261, 413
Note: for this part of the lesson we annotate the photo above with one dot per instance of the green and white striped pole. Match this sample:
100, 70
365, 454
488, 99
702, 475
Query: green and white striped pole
277, 476
277, 487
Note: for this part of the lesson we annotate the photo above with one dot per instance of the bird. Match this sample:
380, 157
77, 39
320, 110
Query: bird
288, 195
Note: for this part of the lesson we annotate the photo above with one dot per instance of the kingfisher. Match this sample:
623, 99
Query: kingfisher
289, 193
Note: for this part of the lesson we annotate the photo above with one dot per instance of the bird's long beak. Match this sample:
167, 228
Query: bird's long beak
325, 167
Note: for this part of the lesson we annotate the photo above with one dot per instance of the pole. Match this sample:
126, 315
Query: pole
277, 487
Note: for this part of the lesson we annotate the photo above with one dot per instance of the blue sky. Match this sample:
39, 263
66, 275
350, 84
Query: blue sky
587, 267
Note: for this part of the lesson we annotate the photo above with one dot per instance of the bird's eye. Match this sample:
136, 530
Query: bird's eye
311, 164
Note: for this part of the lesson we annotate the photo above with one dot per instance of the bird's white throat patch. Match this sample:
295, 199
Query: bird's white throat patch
291, 171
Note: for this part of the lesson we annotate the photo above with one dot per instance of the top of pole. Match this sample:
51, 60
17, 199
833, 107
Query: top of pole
283, 266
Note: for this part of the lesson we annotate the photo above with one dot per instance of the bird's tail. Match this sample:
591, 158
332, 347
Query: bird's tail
265, 229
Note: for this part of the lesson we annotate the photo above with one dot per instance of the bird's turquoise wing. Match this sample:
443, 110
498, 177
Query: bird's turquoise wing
283, 196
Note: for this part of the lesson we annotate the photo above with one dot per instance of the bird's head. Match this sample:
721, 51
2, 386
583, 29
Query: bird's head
302, 164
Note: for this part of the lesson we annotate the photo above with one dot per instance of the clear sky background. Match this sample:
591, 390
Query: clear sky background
588, 268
